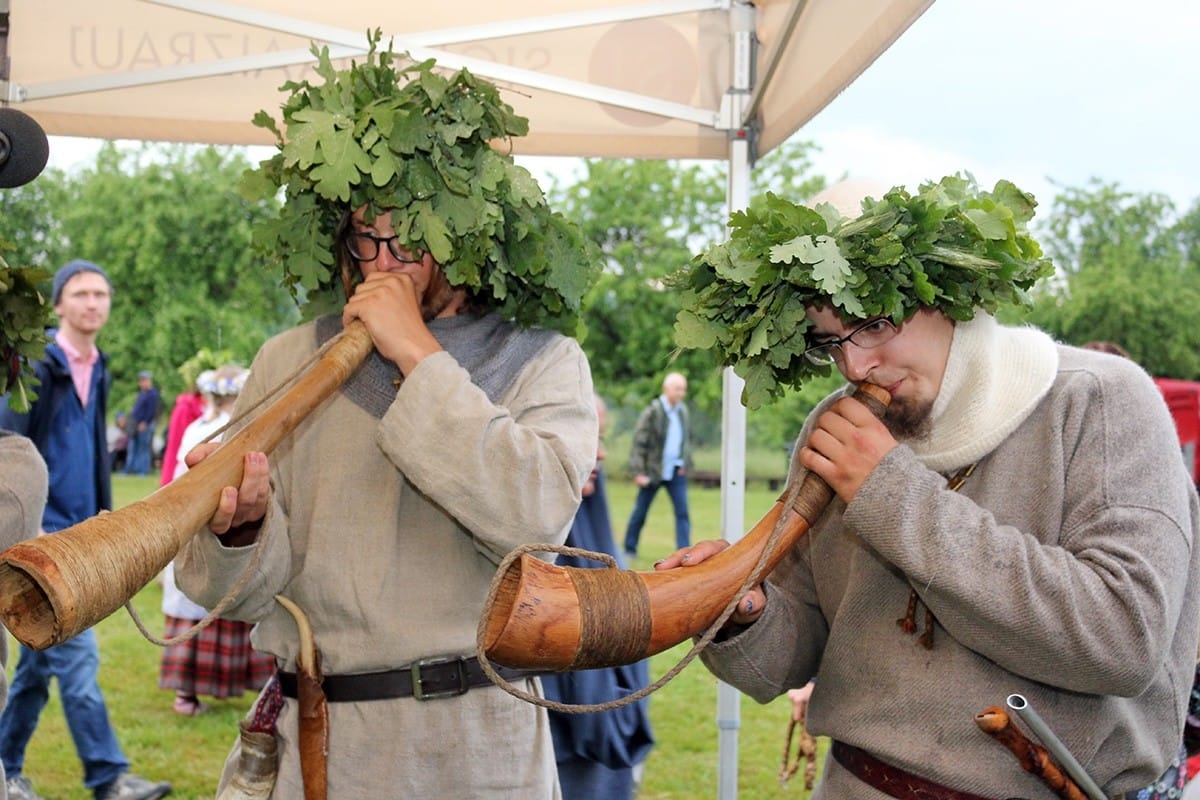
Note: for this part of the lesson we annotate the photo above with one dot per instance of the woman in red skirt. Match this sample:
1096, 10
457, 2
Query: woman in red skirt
219, 661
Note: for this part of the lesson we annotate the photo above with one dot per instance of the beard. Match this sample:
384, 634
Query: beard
907, 419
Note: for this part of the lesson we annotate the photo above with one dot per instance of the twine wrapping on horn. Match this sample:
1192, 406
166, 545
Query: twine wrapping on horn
56, 586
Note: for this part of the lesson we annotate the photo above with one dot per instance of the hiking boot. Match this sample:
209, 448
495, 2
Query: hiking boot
19, 788
132, 787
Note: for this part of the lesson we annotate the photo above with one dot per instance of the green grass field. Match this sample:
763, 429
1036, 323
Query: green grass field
189, 752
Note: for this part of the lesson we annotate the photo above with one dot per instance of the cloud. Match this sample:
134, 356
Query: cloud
870, 152
1034, 91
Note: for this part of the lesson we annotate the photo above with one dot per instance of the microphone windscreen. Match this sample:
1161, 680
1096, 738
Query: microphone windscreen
24, 148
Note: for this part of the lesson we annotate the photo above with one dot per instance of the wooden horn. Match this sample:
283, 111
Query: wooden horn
56, 586
543, 616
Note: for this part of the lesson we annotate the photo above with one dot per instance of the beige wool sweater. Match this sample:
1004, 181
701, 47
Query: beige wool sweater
387, 533
1064, 569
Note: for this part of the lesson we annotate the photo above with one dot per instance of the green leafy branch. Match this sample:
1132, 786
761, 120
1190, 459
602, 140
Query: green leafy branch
24, 319
417, 143
950, 246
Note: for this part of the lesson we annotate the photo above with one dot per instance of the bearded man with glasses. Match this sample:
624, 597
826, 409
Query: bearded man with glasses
469, 430
1018, 523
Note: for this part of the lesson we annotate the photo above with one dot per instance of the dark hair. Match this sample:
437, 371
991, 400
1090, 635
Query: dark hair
1107, 347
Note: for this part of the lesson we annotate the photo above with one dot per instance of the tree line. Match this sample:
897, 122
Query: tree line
169, 226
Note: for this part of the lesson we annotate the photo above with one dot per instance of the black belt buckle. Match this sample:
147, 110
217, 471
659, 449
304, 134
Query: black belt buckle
440, 681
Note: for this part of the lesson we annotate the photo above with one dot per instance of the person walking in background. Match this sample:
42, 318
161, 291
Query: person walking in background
142, 418
118, 441
67, 424
660, 456
219, 660
189, 406
598, 753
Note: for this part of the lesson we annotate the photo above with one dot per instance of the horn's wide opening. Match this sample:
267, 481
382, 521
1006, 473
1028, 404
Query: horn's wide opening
501, 611
26, 609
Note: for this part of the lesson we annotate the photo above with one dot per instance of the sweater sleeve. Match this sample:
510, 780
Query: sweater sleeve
1074, 548
23, 485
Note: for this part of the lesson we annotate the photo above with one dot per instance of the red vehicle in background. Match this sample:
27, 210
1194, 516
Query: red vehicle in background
1183, 399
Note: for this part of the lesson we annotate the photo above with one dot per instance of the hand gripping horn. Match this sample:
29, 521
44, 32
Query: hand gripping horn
56, 586
543, 616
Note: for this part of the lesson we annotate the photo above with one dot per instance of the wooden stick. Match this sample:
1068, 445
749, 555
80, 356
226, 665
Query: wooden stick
1033, 758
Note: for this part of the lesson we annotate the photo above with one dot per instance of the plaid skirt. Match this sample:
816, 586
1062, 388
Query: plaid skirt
219, 662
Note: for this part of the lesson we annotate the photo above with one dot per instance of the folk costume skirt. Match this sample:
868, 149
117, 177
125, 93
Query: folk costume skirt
219, 662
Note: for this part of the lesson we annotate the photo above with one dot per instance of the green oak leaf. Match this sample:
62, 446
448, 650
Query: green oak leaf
949, 246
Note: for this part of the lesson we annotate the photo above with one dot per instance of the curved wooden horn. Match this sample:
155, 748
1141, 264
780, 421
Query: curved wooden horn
543, 616
56, 586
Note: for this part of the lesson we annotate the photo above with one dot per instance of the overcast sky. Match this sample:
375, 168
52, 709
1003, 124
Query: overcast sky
1030, 90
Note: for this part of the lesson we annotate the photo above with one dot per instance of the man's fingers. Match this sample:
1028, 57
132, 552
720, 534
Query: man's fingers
693, 555
750, 607
222, 518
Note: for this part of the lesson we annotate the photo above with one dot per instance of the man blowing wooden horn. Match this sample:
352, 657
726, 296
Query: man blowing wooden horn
1020, 520
470, 430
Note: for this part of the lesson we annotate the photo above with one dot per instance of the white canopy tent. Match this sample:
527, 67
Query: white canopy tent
720, 79
641, 78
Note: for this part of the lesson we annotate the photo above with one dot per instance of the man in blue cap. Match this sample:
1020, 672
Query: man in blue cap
67, 424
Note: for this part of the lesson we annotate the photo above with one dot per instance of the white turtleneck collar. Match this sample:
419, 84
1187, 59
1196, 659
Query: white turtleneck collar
995, 376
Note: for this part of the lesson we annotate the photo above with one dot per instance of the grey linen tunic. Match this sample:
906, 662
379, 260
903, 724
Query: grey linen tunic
387, 533
1064, 569
23, 487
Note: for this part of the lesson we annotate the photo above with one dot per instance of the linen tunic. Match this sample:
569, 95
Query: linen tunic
23, 487
1060, 571
387, 533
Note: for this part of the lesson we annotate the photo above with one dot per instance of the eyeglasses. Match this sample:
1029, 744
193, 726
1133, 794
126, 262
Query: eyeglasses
365, 247
871, 333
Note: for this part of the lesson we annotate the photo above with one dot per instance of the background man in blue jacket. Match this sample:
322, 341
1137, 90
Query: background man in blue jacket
67, 424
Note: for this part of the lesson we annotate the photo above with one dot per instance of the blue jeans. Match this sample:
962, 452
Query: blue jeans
75, 663
677, 489
138, 456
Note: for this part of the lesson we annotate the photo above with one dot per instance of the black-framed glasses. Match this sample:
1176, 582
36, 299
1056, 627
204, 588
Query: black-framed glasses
871, 333
365, 247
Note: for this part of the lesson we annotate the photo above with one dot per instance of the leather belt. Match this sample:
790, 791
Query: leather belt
893, 781
426, 679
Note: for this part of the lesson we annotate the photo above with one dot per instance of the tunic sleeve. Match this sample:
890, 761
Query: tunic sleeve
517, 470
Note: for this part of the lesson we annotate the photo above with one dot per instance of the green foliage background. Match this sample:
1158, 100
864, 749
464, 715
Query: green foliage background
1128, 272
168, 224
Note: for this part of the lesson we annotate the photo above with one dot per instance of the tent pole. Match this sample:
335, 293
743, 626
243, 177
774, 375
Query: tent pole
733, 413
